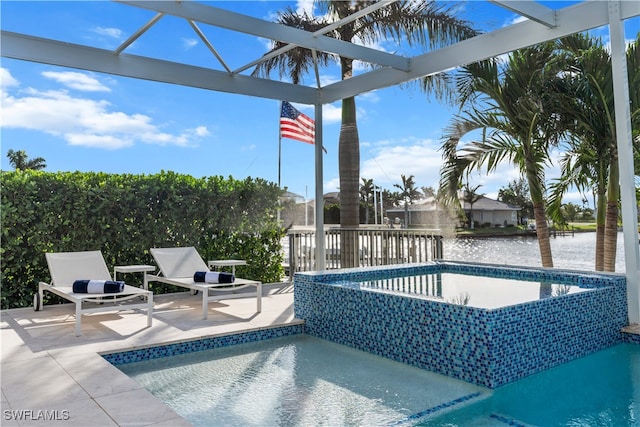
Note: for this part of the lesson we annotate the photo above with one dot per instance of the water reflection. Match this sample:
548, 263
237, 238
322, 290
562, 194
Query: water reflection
462, 299
575, 252
561, 290
467, 290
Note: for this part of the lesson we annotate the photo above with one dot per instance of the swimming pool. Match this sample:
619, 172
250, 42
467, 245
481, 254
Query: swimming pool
487, 348
302, 380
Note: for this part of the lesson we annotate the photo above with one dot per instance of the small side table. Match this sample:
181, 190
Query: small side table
227, 263
134, 269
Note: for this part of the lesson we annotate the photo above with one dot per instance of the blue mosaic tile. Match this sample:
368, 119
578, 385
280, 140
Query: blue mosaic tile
631, 338
486, 347
503, 419
430, 411
130, 356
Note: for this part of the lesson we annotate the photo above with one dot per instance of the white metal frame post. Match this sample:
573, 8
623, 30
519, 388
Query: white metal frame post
320, 250
375, 205
625, 160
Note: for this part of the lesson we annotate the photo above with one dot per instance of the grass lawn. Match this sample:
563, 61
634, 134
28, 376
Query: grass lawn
583, 226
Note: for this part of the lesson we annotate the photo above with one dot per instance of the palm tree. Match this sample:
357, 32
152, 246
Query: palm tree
427, 23
366, 197
20, 160
429, 192
470, 196
514, 107
408, 193
592, 159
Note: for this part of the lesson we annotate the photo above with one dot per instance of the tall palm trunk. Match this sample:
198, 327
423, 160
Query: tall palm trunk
611, 221
601, 209
536, 187
349, 168
542, 231
406, 214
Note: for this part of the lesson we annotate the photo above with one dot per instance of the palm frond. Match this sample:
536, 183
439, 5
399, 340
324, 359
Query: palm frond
298, 62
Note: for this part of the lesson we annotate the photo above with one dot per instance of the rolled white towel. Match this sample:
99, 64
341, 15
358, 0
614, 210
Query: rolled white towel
97, 286
213, 277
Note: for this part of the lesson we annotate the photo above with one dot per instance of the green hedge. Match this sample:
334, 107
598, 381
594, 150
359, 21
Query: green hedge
125, 215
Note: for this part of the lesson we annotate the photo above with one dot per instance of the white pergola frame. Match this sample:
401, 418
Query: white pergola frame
543, 24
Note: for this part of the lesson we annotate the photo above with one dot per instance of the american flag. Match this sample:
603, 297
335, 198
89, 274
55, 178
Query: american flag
295, 125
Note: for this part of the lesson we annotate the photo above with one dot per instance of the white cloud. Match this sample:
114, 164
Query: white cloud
6, 79
516, 20
331, 113
332, 185
201, 131
98, 141
188, 43
326, 80
391, 159
78, 81
86, 122
305, 6
115, 33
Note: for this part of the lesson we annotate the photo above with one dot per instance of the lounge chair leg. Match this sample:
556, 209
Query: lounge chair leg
149, 309
78, 318
259, 297
205, 303
40, 298
37, 302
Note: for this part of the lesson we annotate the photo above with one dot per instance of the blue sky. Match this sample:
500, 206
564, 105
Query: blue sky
79, 120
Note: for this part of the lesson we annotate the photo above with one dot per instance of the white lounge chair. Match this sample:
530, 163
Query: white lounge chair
177, 267
67, 267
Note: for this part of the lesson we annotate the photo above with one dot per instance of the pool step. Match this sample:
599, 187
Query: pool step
439, 410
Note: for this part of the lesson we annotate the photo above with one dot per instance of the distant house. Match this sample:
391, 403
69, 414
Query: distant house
427, 213
491, 212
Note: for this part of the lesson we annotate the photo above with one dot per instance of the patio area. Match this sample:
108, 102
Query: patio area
52, 377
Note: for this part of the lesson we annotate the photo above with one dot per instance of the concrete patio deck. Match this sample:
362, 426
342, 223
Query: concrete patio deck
51, 377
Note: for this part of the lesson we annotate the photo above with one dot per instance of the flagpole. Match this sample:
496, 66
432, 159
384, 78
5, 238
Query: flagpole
279, 144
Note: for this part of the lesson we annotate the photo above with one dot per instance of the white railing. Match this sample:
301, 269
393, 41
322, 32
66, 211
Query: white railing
361, 247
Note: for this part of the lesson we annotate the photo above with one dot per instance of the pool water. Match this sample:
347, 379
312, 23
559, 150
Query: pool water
297, 380
471, 290
602, 389
303, 380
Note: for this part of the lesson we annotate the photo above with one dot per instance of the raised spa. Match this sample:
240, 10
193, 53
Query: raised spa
464, 320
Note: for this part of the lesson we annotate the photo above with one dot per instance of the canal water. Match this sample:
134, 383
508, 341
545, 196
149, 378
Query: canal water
576, 252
